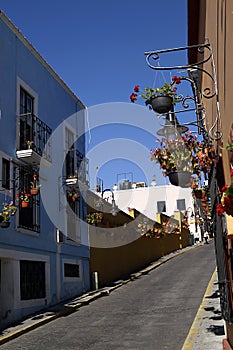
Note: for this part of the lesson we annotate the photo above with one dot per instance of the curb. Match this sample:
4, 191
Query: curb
189, 341
74, 305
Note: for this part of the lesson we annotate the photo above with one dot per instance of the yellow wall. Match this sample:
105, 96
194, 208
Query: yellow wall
113, 263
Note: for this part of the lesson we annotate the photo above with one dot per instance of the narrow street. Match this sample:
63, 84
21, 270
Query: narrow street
154, 312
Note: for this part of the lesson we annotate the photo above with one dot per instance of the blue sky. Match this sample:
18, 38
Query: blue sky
97, 48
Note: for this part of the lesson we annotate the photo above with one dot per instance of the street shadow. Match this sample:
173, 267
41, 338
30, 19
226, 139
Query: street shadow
217, 330
214, 295
209, 308
216, 318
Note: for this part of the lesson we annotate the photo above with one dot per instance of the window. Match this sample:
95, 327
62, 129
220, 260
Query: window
6, 174
28, 217
180, 204
70, 156
161, 206
26, 118
32, 279
71, 270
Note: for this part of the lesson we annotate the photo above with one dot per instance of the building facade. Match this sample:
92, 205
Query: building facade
44, 253
154, 200
210, 21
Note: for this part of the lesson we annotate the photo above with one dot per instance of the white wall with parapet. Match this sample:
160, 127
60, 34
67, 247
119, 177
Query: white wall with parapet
145, 199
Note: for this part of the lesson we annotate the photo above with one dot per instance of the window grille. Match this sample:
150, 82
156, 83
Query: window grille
32, 280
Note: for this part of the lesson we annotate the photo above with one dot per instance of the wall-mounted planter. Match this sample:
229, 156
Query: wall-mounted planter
5, 224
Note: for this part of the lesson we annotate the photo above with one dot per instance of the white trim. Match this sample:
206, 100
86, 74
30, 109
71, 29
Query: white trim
17, 256
26, 87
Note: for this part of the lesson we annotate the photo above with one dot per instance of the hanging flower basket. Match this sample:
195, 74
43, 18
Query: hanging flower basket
35, 186
162, 104
226, 204
5, 224
180, 178
24, 204
198, 193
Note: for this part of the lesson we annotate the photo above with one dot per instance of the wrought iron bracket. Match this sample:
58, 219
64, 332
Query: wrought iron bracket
201, 71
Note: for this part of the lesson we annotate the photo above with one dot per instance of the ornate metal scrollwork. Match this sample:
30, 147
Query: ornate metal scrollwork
201, 71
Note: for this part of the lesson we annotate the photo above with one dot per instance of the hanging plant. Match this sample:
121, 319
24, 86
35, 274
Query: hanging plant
35, 186
73, 195
8, 210
226, 205
201, 192
183, 157
23, 197
161, 99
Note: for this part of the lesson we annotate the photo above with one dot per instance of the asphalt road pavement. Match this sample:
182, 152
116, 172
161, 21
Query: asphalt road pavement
153, 312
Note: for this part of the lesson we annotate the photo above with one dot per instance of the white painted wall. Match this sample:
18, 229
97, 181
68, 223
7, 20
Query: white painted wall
145, 199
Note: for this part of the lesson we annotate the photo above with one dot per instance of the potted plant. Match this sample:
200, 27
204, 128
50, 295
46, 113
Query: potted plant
177, 159
201, 192
161, 99
35, 186
8, 210
29, 143
226, 205
23, 197
72, 195
180, 158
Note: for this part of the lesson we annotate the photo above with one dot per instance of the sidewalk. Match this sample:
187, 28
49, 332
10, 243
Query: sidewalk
206, 332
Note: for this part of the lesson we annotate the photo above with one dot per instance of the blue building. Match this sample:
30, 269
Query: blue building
44, 253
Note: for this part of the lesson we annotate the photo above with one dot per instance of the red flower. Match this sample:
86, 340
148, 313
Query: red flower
133, 97
136, 88
231, 172
219, 209
176, 79
225, 188
227, 201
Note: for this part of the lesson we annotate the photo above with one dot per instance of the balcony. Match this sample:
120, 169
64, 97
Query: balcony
34, 146
76, 169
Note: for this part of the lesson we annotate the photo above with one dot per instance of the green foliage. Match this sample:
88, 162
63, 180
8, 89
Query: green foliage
8, 210
94, 218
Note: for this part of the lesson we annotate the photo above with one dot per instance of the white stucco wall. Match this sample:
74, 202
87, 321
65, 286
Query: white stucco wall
145, 199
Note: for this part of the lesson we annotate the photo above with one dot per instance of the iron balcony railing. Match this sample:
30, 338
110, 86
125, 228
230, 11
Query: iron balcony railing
219, 229
34, 133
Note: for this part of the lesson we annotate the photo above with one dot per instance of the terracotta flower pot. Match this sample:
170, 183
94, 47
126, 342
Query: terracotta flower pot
24, 204
34, 191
